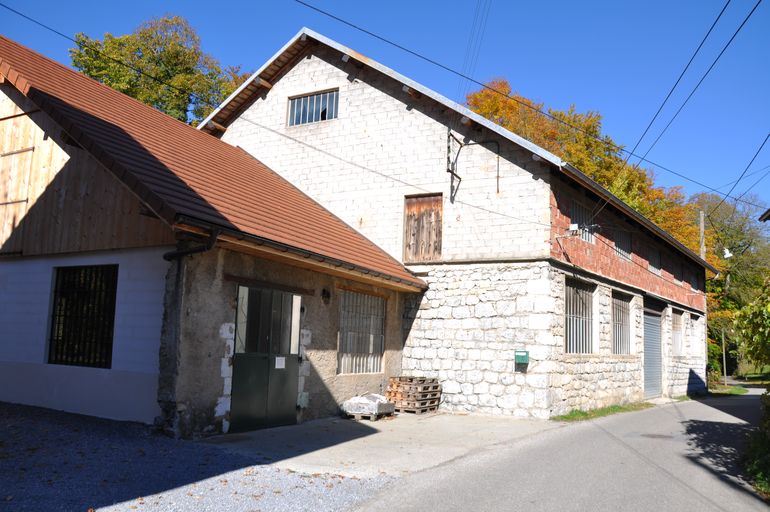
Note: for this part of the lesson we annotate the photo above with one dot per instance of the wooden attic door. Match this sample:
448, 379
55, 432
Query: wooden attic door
422, 228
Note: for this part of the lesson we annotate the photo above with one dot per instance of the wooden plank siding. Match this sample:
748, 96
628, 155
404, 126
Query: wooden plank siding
422, 228
55, 198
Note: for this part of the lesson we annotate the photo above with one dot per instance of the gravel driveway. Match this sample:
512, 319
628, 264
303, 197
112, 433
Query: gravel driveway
57, 461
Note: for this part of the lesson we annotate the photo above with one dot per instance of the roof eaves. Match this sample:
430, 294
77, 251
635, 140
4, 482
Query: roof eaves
765, 216
595, 187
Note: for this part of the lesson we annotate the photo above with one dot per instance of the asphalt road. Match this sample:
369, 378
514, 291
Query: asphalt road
681, 456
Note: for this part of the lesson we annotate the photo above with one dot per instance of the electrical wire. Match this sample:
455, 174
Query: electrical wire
497, 91
287, 136
742, 174
746, 19
665, 100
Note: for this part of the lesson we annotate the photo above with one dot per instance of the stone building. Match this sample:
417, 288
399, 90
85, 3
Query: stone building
151, 272
535, 304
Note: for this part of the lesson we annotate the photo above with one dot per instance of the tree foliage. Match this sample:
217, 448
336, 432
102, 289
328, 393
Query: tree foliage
591, 151
752, 323
161, 64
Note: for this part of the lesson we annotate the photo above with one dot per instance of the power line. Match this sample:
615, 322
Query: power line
665, 100
497, 91
206, 102
746, 19
742, 174
749, 174
192, 94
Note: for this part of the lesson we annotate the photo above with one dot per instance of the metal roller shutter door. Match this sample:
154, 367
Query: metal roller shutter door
652, 356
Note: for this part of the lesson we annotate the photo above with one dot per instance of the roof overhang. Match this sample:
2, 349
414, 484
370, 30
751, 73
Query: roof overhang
575, 173
765, 216
267, 249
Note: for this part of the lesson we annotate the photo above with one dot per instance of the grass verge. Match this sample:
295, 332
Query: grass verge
720, 390
681, 398
578, 415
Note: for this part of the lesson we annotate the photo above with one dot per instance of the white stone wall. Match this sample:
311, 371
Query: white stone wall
601, 378
467, 327
390, 145
684, 373
127, 390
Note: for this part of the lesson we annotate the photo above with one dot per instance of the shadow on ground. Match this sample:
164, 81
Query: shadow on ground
718, 446
50, 460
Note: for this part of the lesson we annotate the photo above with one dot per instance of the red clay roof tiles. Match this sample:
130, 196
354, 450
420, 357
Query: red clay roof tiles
182, 172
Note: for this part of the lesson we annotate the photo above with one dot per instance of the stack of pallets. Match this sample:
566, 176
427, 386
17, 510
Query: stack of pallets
416, 395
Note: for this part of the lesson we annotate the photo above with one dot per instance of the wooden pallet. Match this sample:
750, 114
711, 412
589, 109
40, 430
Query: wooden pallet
414, 388
370, 417
416, 404
413, 380
402, 395
413, 410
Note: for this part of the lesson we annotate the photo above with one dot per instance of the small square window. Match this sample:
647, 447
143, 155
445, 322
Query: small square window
313, 108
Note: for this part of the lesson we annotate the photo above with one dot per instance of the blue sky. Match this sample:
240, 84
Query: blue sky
617, 58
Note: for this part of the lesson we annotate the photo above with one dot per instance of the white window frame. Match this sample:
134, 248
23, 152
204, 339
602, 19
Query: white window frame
579, 316
621, 323
309, 108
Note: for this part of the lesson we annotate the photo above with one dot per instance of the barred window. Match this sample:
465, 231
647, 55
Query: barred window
677, 335
623, 243
654, 261
621, 323
694, 281
83, 317
581, 216
362, 333
578, 306
313, 108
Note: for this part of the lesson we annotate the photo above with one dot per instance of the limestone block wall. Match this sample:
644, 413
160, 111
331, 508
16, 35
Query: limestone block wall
684, 373
466, 327
601, 378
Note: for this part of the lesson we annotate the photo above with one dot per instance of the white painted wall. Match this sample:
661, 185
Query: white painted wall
127, 391
390, 145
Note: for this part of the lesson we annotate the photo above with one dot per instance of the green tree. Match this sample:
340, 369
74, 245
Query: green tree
161, 64
752, 323
590, 150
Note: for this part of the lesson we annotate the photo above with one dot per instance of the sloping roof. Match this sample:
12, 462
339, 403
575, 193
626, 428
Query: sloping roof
189, 178
291, 51
765, 216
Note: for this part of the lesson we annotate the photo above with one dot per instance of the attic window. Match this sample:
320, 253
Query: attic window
313, 108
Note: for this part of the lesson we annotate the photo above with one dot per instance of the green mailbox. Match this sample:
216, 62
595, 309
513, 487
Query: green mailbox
521, 356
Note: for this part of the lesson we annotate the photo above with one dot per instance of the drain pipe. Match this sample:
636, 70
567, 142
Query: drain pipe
170, 256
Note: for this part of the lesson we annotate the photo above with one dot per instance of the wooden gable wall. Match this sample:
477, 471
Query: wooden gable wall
56, 198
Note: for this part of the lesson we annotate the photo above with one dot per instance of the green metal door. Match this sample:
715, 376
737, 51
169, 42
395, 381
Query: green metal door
265, 362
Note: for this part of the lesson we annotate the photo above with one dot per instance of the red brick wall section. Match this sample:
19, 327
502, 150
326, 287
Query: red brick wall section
600, 256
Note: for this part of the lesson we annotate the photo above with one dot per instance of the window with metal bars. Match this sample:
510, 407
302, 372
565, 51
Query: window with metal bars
653, 258
581, 215
621, 323
677, 332
313, 108
622, 243
83, 316
362, 333
578, 311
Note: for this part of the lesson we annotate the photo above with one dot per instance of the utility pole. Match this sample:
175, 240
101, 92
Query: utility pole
724, 356
702, 234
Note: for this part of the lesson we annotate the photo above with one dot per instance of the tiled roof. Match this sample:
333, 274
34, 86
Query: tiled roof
189, 177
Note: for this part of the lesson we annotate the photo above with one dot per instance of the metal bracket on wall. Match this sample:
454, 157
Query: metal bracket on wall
451, 163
